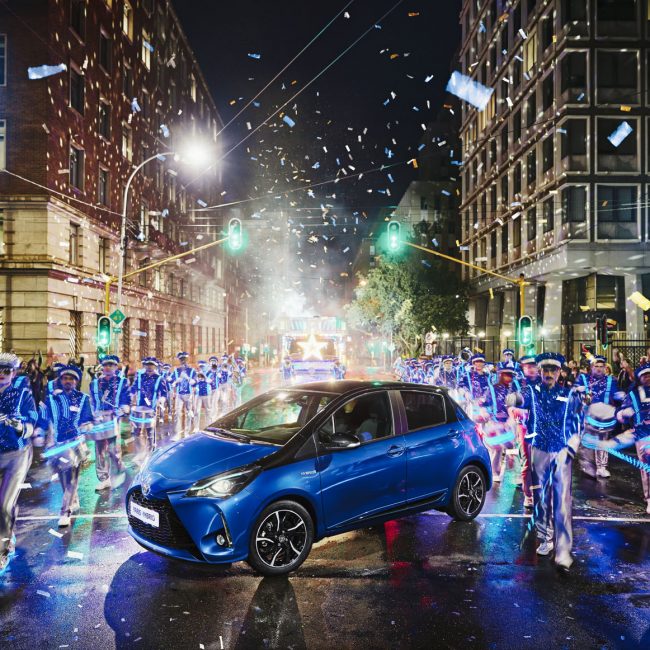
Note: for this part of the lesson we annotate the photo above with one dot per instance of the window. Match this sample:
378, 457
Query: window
504, 190
423, 410
516, 233
573, 74
127, 82
103, 254
77, 90
367, 417
127, 142
547, 92
105, 51
145, 104
574, 10
75, 334
73, 249
573, 138
127, 20
493, 246
104, 119
617, 17
531, 109
547, 154
504, 141
102, 186
516, 180
504, 242
574, 204
3, 144
530, 52
146, 49
531, 225
617, 211
193, 87
531, 167
617, 76
516, 127
78, 17
546, 36
610, 292
3, 59
76, 167
549, 216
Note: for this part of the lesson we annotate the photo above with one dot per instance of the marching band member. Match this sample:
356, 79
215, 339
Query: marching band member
473, 383
499, 433
148, 389
202, 400
110, 399
213, 377
601, 388
554, 420
183, 379
446, 375
69, 415
17, 417
288, 371
635, 410
508, 361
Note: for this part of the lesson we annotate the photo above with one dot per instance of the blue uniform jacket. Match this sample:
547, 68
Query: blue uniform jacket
66, 412
16, 404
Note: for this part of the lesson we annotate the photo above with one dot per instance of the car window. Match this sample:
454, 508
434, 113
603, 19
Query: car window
423, 409
367, 417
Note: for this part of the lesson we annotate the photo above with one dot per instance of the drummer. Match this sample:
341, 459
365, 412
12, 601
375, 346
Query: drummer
148, 389
68, 415
110, 399
500, 428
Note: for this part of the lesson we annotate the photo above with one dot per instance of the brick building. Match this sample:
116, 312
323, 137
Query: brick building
68, 143
546, 192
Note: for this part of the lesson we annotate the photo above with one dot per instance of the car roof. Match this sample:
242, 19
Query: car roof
344, 386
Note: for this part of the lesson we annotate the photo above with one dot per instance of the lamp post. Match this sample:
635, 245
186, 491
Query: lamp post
196, 153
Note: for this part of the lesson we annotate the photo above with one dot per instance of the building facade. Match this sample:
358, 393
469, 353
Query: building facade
131, 89
548, 190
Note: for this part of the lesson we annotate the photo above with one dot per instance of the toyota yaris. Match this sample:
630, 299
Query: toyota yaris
295, 465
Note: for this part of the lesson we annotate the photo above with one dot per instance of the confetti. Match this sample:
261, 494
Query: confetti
640, 300
55, 533
42, 71
40, 592
471, 91
75, 555
287, 120
620, 133
25, 486
254, 56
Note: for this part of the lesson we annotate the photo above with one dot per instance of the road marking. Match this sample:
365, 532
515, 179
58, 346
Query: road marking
487, 515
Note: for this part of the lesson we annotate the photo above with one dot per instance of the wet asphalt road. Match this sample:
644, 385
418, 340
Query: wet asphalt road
418, 582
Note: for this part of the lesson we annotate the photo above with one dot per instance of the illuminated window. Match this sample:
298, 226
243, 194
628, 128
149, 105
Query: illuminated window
127, 142
146, 49
76, 167
530, 52
127, 20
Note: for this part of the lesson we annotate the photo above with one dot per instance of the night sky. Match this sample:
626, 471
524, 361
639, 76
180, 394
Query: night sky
352, 92
346, 106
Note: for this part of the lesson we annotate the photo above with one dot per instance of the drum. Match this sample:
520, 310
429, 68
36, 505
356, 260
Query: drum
499, 434
142, 417
105, 427
600, 421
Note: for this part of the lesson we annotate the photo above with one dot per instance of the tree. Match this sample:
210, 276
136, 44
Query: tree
408, 299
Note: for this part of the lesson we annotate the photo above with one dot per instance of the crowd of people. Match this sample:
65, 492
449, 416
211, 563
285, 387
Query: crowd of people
541, 412
47, 408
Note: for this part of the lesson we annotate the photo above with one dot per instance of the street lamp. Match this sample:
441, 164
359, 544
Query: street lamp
193, 153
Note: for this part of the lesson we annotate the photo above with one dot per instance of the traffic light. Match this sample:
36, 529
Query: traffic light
103, 335
605, 333
601, 330
235, 234
526, 333
393, 235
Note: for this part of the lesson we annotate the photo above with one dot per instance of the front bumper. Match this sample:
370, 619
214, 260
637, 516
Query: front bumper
189, 526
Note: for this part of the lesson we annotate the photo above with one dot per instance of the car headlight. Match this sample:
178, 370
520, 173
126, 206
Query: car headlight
225, 484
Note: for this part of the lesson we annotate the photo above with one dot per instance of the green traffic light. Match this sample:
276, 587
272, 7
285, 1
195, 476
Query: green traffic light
393, 235
526, 334
235, 234
103, 334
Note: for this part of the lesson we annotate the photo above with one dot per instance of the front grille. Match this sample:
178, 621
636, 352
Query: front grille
170, 534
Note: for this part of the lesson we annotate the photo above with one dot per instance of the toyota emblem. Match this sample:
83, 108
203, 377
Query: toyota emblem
146, 484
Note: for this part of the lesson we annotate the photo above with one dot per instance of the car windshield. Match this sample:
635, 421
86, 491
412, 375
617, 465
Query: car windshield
274, 417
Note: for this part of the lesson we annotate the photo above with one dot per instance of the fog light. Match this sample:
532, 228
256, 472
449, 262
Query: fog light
221, 540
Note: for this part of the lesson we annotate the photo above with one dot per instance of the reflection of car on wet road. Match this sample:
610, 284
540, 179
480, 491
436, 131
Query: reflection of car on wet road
293, 466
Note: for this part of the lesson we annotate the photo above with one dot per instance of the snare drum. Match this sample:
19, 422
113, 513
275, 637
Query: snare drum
106, 428
498, 434
142, 417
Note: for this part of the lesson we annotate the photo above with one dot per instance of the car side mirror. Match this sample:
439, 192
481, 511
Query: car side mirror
343, 441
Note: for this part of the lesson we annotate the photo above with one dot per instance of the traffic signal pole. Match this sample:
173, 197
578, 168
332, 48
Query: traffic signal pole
111, 280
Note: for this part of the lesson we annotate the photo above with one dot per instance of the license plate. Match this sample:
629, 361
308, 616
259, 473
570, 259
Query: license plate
150, 517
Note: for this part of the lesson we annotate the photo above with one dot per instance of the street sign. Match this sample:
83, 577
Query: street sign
117, 330
428, 349
117, 316
428, 337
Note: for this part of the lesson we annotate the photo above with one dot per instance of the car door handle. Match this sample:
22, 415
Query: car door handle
395, 450
455, 433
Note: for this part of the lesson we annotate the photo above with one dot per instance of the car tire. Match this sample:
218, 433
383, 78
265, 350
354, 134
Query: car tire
289, 528
468, 496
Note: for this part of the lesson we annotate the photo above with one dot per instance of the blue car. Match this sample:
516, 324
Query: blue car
298, 464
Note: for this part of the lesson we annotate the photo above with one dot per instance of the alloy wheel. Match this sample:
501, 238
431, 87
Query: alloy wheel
281, 538
470, 492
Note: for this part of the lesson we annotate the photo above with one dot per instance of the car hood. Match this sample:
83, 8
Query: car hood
198, 457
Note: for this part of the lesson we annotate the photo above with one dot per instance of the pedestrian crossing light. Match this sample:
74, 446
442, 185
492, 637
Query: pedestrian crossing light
526, 333
103, 335
234, 234
393, 235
